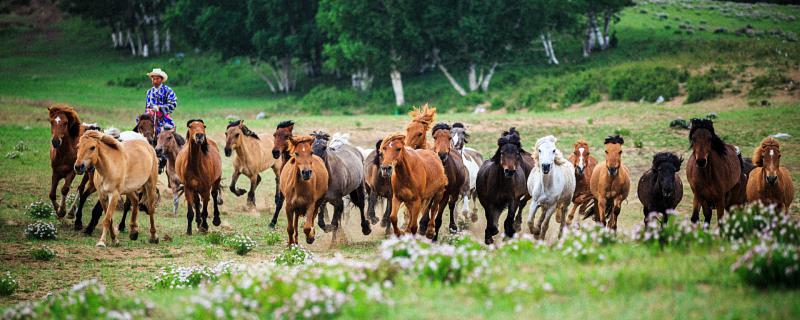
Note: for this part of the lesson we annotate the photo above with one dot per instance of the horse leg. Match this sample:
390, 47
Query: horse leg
412, 217
322, 211
453, 215
107, 222
87, 191
151, 208
492, 218
215, 193
81, 187
289, 227
439, 217
721, 212
251, 195
308, 226
238, 192
203, 226
371, 201
133, 199
425, 219
190, 200
518, 217
695, 210
358, 198
125, 207
62, 211
175, 201
474, 196
386, 221
601, 210
53, 186
572, 213
617, 209
338, 208
509, 224
198, 213
393, 216
278, 200
97, 211
563, 212
532, 219
296, 227
547, 215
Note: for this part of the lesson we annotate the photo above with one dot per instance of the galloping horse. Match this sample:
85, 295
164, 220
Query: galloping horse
345, 169
168, 146
610, 182
716, 174
551, 185
584, 164
199, 166
376, 185
280, 150
417, 129
456, 177
127, 168
770, 183
304, 182
65, 131
418, 181
501, 185
252, 157
660, 188
473, 160
146, 126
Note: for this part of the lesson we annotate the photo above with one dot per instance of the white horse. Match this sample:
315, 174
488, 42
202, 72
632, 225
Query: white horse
551, 185
472, 161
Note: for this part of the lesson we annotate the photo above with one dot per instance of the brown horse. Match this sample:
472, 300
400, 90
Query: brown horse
304, 182
280, 150
584, 164
199, 166
146, 125
252, 157
456, 174
65, 131
376, 185
418, 181
610, 182
168, 146
715, 172
770, 183
127, 168
417, 129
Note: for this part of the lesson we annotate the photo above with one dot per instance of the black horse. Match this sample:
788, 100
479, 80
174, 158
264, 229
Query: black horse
660, 188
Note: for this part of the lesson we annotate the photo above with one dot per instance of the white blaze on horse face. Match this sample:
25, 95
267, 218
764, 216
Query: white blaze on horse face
772, 154
455, 140
58, 120
580, 157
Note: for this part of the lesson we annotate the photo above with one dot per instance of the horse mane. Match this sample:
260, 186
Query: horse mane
392, 136
440, 126
285, 124
424, 114
104, 138
91, 126
507, 138
245, 130
294, 141
377, 160
559, 159
144, 116
72, 117
669, 157
579, 142
716, 142
193, 120
178, 139
615, 139
758, 160
321, 135
339, 139
459, 125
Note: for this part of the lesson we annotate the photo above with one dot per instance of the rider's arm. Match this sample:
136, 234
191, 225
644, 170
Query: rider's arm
172, 102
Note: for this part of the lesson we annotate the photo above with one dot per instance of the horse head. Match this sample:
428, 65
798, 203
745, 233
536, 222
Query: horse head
146, 125
441, 140
703, 140
665, 165
460, 136
509, 152
302, 154
580, 156
89, 147
613, 153
63, 121
768, 156
392, 148
197, 133
168, 142
235, 134
320, 145
282, 135
421, 119
546, 153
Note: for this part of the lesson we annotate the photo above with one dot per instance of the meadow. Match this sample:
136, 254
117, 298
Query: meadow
520, 278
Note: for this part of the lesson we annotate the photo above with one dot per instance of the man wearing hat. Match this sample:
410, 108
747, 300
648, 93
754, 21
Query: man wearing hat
161, 100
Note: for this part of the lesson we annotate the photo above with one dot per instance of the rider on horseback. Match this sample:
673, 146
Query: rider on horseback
160, 101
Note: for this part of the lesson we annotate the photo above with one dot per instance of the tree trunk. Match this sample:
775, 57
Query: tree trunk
361, 80
600, 40
130, 42
472, 79
138, 42
606, 22
452, 80
546, 49
397, 86
485, 81
167, 42
156, 40
263, 77
285, 74
550, 46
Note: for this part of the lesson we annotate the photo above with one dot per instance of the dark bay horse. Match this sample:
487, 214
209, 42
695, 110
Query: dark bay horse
377, 186
280, 149
199, 166
716, 174
65, 131
456, 177
660, 188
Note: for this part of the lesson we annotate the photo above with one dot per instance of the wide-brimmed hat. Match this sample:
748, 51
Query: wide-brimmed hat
158, 72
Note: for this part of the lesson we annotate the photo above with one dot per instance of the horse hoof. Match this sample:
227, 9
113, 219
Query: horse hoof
430, 234
453, 230
78, 226
153, 240
272, 225
100, 244
310, 240
134, 235
373, 220
384, 223
488, 241
217, 221
365, 229
328, 228
71, 213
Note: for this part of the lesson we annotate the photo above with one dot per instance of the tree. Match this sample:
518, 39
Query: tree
596, 37
547, 17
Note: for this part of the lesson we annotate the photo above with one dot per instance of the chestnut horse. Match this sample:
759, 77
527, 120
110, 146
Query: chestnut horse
120, 168
610, 182
584, 164
280, 150
770, 183
168, 146
376, 185
456, 177
146, 125
199, 166
418, 181
660, 189
65, 131
417, 129
716, 174
252, 157
304, 182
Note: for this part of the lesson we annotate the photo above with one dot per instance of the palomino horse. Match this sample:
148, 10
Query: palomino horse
304, 182
473, 160
252, 157
660, 188
501, 185
584, 164
127, 168
714, 171
456, 177
199, 166
770, 183
345, 169
610, 182
551, 185
168, 146
418, 181
417, 129
65, 131
376, 185
280, 149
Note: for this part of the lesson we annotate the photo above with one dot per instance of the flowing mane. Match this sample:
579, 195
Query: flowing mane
339, 139
72, 117
285, 124
580, 142
668, 157
615, 139
104, 138
245, 130
392, 136
559, 158
716, 142
424, 115
768, 142
509, 137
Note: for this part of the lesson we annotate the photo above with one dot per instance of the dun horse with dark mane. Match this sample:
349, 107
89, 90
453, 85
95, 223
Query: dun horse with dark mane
168, 146
252, 157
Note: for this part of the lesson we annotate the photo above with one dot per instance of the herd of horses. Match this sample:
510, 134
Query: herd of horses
405, 169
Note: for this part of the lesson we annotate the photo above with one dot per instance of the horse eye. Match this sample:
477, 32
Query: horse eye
92, 148
606, 151
554, 151
237, 135
396, 149
169, 138
620, 152
296, 154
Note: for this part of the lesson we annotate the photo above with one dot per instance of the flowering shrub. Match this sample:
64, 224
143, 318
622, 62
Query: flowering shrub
770, 263
185, 277
85, 300
242, 244
294, 255
43, 254
40, 210
272, 237
443, 263
522, 244
583, 243
41, 231
745, 223
7, 284
215, 237
677, 232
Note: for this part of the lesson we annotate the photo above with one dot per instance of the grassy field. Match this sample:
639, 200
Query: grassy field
633, 280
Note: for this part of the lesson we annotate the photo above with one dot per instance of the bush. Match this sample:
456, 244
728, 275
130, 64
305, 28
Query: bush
677, 232
770, 264
40, 210
645, 83
294, 255
187, 277
272, 237
584, 87
583, 243
701, 88
7, 284
41, 231
43, 254
447, 264
328, 98
743, 224
242, 244
215, 237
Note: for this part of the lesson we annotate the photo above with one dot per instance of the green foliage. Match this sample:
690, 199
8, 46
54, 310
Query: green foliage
622, 131
43, 254
272, 237
464, 262
745, 224
173, 277
40, 209
41, 231
588, 86
294, 255
638, 144
240, 243
764, 84
329, 98
701, 88
215, 237
770, 264
677, 232
7, 284
644, 83
85, 300
584, 244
